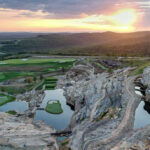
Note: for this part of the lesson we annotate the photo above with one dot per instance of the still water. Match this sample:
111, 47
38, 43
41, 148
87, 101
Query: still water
19, 106
142, 114
57, 121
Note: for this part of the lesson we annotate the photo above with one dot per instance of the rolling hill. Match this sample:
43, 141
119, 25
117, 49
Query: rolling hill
107, 43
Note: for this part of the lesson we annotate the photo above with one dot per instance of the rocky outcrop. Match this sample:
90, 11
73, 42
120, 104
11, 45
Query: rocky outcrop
80, 72
34, 99
136, 140
100, 101
146, 82
21, 134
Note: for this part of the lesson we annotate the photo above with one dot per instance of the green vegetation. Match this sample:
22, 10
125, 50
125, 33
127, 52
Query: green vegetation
17, 90
5, 99
49, 82
12, 112
10, 75
50, 86
51, 79
66, 142
54, 107
102, 44
140, 66
101, 116
101, 66
35, 61
40, 86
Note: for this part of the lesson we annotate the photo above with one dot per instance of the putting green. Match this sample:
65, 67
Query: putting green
54, 107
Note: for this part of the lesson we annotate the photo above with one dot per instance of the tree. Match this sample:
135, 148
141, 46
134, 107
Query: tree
34, 78
63, 69
2, 89
41, 77
29, 79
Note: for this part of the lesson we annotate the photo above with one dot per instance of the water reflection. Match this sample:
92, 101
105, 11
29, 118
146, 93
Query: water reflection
142, 115
19, 106
147, 107
61, 121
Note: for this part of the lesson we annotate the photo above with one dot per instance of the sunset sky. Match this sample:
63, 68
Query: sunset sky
74, 15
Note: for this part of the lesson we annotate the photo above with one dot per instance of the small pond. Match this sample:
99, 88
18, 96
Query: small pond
57, 121
19, 106
142, 114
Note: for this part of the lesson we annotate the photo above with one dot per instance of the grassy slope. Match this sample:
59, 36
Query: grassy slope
10, 75
109, 43
12, 112
5, 99
140, 69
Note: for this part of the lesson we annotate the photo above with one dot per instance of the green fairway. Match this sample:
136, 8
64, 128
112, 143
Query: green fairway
35, 61
2, 76
54, 107
49, 82
10, 75
5, 99
51, 79
50, 86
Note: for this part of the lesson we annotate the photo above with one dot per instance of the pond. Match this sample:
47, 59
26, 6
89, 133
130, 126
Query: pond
142, 114
19, 106
57, 121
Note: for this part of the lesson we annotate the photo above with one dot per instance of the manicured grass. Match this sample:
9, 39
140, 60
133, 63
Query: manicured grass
50, 83
10, 75
5, 99
101, 66
50, 86
12, 112
51, 79
34, 61
54, 107
52, 65
17, 90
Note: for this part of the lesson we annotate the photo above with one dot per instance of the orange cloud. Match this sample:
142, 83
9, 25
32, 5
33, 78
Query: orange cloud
25, 20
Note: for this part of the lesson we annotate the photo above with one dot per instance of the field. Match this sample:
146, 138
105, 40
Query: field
54, 107
13, 68
5, 99
10, 75
35, 61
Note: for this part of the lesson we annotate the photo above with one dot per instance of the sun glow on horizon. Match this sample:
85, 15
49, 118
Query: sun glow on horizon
120, 21
125, 17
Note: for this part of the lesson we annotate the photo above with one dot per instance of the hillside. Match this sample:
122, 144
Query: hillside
107, 43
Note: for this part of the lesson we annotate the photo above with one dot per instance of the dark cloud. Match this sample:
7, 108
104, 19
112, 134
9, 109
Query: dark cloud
64, 8
77, 8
